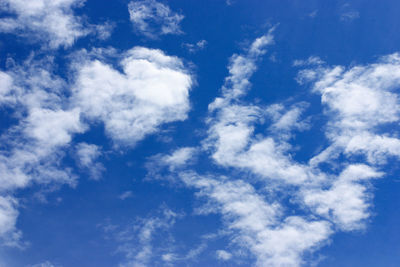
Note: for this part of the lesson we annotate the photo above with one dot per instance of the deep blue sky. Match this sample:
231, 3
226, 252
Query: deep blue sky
100, 219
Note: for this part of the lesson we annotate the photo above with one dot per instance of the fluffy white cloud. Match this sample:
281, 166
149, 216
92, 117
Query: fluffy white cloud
358, 102
153, 89
47, 20
152, 18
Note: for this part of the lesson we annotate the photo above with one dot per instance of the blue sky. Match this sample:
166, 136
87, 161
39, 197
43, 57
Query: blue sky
199, 133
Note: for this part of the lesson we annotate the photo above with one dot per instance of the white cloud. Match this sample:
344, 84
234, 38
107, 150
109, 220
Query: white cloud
346, 202
259, 226
313, 60
152, 90
179, 157
152, 18
49, 21
87, 154
138, 241
6, 83
192, 48
9, 235
223, 255
231, 133
241, 68
358, 102
125, 195
286, 120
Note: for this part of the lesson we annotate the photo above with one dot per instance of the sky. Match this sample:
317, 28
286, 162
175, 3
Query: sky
199, 133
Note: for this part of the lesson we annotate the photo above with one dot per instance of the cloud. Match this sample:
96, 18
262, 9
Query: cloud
125, 195
349, 16
287, 120
151, 18
231, 130
223, 255
257, 225
359, 101
313, 60
179, 158
192, 48
137, 242
241, 68
153, 89
9, 235
346, 202
49, 21
87, 155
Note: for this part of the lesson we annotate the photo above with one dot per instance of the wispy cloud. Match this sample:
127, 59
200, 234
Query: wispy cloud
192, 48
87, 154
137, 241
152, 18
349, 16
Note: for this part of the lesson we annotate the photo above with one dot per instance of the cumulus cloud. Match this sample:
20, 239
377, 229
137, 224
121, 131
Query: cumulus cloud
152, 18
50, 21
153, 89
